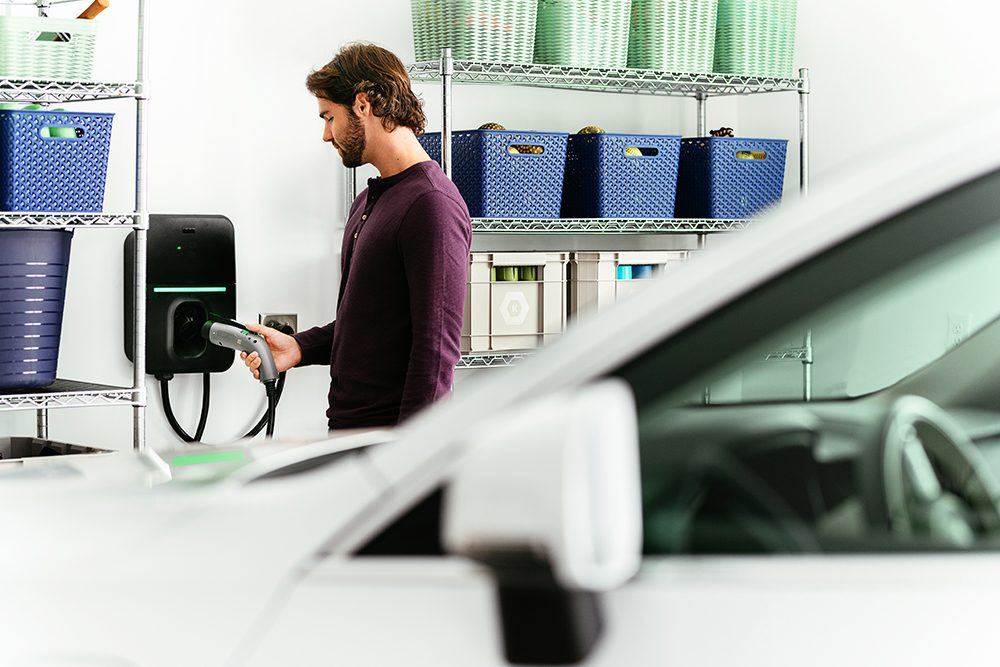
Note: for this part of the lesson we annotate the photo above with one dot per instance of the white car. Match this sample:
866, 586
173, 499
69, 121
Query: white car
653, 489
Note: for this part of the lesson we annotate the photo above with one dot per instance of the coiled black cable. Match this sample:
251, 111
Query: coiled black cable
273, 396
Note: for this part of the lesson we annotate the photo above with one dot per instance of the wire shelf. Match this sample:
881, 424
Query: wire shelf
94, 220
501, 359
606, 226
623, 80
803, 354
67, 394
491, 359
42, 91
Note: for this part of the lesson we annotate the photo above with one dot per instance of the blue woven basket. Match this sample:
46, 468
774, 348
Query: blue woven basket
34, 264
723, 177
498, 182
43, 167
620, 176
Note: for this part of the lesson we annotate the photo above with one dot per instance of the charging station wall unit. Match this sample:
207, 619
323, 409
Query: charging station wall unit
190, 272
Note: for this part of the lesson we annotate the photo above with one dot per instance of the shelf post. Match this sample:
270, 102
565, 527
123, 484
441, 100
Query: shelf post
807, 365
701, 130
42, 423
142, 220
804, 132
352, 190
447, 69
701, 117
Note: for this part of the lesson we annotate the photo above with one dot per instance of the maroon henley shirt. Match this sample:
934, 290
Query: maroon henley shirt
404, 265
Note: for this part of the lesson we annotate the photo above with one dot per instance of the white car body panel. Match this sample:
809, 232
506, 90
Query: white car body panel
164, 577
229, 573
758, 611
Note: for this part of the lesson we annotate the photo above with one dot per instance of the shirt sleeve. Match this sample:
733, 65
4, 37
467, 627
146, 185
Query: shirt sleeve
435, 236
316, 344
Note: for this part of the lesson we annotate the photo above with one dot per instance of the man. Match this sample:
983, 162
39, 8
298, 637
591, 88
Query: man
404, 262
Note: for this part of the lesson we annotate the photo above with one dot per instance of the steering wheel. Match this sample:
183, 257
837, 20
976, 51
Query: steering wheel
935, 482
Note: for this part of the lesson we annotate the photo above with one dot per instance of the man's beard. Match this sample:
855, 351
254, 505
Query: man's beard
353, 144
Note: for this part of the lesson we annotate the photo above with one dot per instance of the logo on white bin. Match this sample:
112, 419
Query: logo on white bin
514, 308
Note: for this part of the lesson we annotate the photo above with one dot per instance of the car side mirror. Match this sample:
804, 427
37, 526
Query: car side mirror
549, 498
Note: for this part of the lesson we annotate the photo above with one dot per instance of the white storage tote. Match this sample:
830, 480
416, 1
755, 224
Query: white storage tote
514, 301
601, 279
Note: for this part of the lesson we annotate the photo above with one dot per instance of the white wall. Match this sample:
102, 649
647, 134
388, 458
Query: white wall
234, 132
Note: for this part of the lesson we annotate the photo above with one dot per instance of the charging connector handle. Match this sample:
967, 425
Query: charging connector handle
238, 338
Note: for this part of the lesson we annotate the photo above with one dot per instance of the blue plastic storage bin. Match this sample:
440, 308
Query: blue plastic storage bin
46, 355
498, 182
34, 264
53, 160
620, 176
731, 178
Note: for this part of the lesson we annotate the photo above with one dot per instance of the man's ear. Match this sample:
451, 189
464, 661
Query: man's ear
362, 107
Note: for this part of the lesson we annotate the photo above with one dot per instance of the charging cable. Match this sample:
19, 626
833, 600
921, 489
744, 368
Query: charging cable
267, 417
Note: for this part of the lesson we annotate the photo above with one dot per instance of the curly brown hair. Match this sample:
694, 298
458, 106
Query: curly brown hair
366, 68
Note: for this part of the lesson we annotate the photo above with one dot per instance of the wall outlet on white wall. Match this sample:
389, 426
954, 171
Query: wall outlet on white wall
959, 327
277, 320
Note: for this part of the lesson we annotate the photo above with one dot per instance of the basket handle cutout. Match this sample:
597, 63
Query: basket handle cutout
500, 274
60, 132
641, 151
751, 155
54, 37
525, 149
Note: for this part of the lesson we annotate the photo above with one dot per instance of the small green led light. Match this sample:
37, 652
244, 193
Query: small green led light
178, 247
213, 457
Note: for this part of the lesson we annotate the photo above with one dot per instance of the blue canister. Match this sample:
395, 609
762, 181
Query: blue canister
642, 271
34, 264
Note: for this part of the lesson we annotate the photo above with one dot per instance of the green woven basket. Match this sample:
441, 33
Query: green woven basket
29, 50
582, 33
755, 37
672, 35
488, 30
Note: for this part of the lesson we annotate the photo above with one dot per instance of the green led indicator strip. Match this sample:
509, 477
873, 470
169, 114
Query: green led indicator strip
214, 457
187, 290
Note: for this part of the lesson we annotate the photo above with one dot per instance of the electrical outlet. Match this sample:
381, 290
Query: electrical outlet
277, 320
959, 327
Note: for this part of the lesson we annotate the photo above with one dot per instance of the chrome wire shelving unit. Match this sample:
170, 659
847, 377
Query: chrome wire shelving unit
803, 354
64, 393
67, 394
491, 359
699, 86
46, 91
605, 226
608, 80
69, 220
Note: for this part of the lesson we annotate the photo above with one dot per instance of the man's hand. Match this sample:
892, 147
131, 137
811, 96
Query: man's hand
284, 349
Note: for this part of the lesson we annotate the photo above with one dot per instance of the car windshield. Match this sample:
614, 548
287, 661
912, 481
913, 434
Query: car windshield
753, 434
875, 336
848, 323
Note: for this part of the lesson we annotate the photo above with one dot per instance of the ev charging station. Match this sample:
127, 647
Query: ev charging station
191, 303
190, 273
